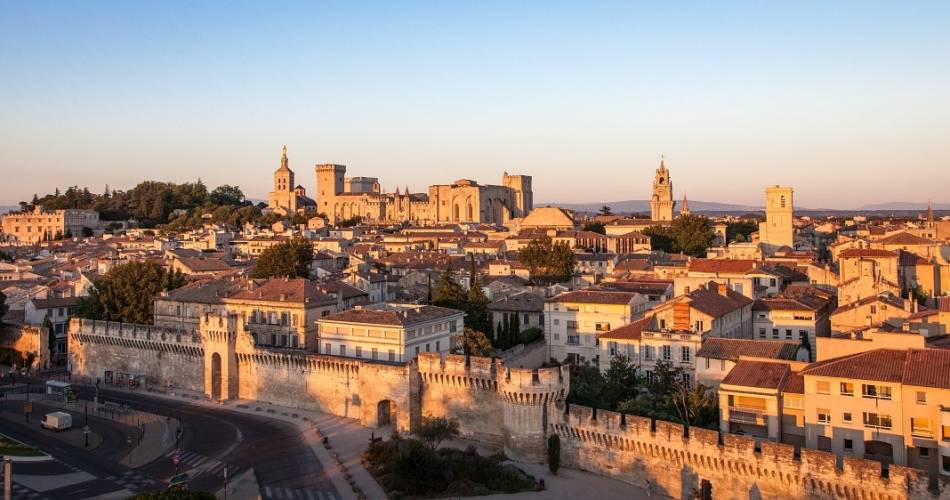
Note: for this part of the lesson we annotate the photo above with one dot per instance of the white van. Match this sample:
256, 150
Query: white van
57, 421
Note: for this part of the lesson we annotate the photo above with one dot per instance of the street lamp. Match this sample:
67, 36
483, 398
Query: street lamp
85, 431
128, 441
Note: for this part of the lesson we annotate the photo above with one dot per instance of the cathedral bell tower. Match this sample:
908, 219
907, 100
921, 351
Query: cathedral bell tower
661, 204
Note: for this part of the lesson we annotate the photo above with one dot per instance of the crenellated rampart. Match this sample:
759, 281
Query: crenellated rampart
636, 450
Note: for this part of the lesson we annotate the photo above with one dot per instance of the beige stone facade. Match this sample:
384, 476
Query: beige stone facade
41, 225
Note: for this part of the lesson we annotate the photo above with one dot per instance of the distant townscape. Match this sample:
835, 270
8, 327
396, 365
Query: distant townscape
759, 353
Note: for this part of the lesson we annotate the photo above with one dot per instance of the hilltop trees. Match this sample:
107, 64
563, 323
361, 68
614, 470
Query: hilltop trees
689, 234
290, 259
548, 262
125, 293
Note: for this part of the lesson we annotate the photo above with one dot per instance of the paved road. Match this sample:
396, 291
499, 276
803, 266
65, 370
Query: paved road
284, 465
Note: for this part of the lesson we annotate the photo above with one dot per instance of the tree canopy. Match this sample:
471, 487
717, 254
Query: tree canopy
596, 227
476, 343
289, 259
740, 231
227, 195
3, 306
125, 293
689, 234
433, 430
547, 261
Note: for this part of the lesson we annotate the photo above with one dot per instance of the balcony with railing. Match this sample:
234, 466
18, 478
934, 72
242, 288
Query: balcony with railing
748, 415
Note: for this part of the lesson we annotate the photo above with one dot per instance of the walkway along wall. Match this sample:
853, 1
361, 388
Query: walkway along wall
633, 450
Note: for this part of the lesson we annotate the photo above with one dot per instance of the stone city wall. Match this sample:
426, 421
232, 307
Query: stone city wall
634, 450
27, 340
159, 354
493, 403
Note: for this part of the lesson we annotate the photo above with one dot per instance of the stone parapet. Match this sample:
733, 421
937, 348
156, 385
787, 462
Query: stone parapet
636, 450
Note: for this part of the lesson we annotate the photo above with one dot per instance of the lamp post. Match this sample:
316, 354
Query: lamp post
85, 432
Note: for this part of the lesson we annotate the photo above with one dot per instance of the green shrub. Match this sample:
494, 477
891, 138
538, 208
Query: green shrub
554, 453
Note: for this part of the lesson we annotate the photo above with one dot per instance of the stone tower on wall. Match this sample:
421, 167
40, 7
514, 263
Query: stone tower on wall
520, 186
778, 229
330, 181
219, 337
283, 199
530, 398
661, 203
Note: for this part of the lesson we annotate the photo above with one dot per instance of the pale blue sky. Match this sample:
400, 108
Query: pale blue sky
846, 101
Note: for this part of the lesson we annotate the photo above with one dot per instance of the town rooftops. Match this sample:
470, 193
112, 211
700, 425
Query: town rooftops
630, 331
714, 299
881, 365
204, 291
784, 304
760, 374
884, 297
859, 253
521, 302
731, 349
55, 302
594, 297
296, 290
722, 266
393, 314
904, 238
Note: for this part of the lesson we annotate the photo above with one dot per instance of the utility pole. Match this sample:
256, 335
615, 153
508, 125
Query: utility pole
7, 479
225, 482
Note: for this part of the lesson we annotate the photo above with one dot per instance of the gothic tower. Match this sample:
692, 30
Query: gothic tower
282, 199
330, 180
684, 210
661, 204
778, 229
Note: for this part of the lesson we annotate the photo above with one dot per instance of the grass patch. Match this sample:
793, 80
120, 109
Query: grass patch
15, 448
407, 468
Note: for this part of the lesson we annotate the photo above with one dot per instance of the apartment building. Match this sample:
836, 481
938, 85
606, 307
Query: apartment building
573, 321
390, 332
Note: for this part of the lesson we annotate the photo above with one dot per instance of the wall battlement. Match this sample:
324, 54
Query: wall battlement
635, 449
517, 385
135, 336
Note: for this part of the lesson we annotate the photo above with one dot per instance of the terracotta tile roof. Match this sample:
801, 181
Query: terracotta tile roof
944, 304
393, 315
885, 297
204, 291
907, 259
55, 302
782, 304
731, 266
633, 265
716, 304
637, 286
795, 383
761, 374
731, 349
630, 331
855, 253
905, 238
927, 368
881, 365
298, 290
594, 297
522, 302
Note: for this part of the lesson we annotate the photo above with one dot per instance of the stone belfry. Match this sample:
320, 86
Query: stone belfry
661, 204
283, 199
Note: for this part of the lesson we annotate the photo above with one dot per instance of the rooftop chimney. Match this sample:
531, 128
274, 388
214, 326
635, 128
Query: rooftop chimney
723, 289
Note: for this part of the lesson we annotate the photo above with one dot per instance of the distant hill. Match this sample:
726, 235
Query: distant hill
903, 205
6, 208
631, 206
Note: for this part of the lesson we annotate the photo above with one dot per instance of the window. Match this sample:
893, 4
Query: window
846, 417
375, 354
823, 387
848, 445
824, 416
685, 354
699, 325
602, 327
342, 350
876, 391
359, 351
392, 355
946, 464
328, 348
847, 389
437, 347
574, 340
877, 420
775, 333
788, 334
687, 379
571, 324
873, 309
612, 348
920, 427
761, 333
662, 324
946, 433
525, 320
453, 326
648, 353
923, 452
667, 353
921, 397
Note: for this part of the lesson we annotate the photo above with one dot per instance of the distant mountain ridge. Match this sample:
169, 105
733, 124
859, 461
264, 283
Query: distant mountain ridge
629, 206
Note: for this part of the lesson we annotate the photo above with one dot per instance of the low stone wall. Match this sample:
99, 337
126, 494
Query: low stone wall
637, 450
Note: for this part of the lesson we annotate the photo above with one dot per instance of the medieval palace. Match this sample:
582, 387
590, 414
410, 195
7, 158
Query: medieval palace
340, 198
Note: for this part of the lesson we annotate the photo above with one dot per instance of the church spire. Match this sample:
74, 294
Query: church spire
685, 209
930, 211
283, 158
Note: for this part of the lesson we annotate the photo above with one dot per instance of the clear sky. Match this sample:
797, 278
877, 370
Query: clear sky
849, 102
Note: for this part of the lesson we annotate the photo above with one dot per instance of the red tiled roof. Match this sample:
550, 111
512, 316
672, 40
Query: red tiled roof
710, 301
630, 331
927, 368
904, 238
722, 265
594, 297
882, 365
407, 316
731, 349
853, 253
297, 290
762, 374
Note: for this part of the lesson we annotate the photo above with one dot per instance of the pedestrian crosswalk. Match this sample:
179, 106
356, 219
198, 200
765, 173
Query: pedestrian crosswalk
134, 481
274, 492
20, 491
199, 461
